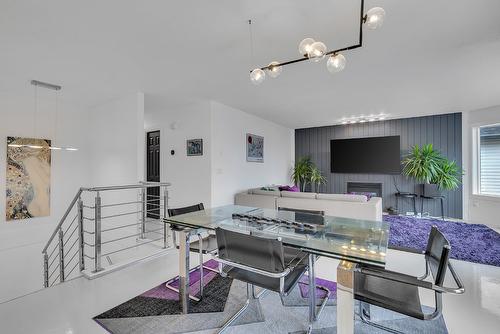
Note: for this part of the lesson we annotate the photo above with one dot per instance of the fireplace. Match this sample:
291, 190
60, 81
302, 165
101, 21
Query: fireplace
374, 189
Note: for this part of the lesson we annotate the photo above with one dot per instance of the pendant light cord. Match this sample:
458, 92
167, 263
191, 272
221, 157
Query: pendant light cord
35, 116
250, 32
56, 119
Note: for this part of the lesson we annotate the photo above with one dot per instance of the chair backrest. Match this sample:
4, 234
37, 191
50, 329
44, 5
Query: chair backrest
437, 255
186, 209
260, 253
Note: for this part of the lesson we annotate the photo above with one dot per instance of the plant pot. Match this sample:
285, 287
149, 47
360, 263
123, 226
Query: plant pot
431, 190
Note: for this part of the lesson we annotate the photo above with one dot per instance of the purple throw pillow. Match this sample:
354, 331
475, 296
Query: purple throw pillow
289, 188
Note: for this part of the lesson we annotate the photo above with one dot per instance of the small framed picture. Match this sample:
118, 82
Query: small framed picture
194, 147
255, 148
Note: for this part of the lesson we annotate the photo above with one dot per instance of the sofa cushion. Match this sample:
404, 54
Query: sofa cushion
298, 194
343, 197
289, 188
275, 193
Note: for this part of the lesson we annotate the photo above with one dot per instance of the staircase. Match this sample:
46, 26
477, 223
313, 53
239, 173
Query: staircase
121, 224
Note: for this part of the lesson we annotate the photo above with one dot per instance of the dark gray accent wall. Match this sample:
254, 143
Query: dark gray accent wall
443, 131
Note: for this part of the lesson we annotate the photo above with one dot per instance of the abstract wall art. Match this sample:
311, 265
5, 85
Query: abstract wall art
255, 148
194, 147
28, 178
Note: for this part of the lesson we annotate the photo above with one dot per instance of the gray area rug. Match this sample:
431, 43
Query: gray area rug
265, 316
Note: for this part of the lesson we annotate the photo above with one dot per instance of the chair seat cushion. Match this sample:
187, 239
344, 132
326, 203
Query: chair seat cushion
209, 245
395, 296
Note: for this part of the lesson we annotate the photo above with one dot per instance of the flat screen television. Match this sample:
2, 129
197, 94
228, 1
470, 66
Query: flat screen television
372, 155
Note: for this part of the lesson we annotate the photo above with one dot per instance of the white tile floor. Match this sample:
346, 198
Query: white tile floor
69, 308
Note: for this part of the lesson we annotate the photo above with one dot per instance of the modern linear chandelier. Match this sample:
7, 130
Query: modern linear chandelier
316, 51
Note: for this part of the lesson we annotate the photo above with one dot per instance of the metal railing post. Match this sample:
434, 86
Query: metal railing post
45, 270
81, 235
61, 255
143, 212
165, 208
97, 233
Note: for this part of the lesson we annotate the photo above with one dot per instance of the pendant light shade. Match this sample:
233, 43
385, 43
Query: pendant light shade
375, 18
274, 69
257, 76
336, 63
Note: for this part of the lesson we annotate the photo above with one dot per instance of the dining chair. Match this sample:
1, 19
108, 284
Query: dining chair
261, 262
204, 245
399, 292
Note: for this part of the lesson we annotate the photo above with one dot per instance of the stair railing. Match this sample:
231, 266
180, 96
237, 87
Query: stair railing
79, 232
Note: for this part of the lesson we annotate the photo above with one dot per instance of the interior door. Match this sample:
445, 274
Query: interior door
153, 173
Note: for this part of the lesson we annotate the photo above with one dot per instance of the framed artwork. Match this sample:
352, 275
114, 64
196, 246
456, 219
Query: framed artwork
255, 148
194, 147
28, 178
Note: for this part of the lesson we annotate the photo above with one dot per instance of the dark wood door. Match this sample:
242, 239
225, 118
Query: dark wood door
153, 173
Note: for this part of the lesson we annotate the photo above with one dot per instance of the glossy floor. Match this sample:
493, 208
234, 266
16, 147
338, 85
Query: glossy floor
69, 308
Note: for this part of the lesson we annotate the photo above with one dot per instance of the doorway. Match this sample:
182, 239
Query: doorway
153, 173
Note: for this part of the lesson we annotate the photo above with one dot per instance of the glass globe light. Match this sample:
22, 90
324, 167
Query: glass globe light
257, 76
317, 53
274, 69
375, 18
305, 46
335, 63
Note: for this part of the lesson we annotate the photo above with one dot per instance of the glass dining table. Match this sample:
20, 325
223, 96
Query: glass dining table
352, 241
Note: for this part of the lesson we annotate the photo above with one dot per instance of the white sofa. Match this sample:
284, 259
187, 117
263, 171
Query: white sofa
349, 206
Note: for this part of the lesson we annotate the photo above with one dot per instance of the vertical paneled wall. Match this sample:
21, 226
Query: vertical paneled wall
443, 131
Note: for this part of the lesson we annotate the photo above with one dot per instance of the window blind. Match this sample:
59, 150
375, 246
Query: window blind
490, 164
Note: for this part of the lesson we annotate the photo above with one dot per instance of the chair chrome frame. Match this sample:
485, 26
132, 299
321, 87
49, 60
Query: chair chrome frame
225, 266
419, 282
200, 267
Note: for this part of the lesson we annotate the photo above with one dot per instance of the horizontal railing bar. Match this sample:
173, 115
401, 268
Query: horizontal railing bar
51, 262
119, 227
66, 264
129, 236
68, 210
76, 265
88, 207
90, 245
55, 269
71, 224
88, 257
155, 196
118, 204
130, 186
73, 245
55, 248
121, 214
55, 279
86, 218
69, 238
92, 233
138, 245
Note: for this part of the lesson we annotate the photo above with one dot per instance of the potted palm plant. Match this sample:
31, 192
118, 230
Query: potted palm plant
427, 165
301, 173
317, 178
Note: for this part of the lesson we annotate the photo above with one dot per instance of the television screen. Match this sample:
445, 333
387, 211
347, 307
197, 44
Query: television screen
373, 155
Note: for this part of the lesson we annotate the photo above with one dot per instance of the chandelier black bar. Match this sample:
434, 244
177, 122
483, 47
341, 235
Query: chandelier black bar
352, 47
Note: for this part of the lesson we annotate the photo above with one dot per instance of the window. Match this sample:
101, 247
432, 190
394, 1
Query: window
489, 160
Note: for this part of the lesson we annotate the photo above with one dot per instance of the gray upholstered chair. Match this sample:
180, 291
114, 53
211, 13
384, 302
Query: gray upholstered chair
261, 262
204, 245
400, 292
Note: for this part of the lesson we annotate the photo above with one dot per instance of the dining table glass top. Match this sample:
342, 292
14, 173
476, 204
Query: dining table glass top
355, 240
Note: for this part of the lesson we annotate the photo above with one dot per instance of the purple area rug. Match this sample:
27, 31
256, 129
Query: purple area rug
162, 292
320, 293
469, 242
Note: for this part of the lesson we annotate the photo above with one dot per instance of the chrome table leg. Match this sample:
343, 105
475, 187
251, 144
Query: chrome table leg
345, 297
184, 270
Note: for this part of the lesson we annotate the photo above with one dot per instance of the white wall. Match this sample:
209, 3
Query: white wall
109, 138
117, 141
190, 176
21, 242
231, 173
478, 209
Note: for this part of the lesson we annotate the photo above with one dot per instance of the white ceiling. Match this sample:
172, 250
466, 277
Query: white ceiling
431, 56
